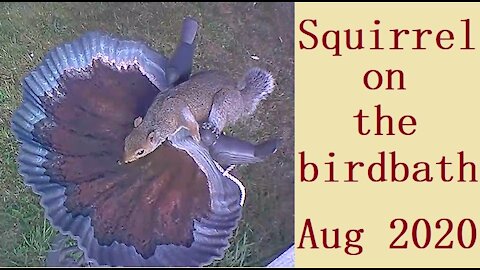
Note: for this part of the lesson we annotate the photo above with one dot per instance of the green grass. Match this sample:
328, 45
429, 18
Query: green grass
34, 244
241, 249
229, 34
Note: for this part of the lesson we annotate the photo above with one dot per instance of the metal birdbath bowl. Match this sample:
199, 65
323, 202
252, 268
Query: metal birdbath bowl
174, 207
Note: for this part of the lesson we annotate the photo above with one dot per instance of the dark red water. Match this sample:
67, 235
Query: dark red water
151, 201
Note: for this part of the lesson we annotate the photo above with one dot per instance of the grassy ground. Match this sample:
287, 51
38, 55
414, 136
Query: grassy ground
230, 33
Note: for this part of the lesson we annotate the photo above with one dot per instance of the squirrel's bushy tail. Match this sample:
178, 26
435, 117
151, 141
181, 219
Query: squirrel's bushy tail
255, 86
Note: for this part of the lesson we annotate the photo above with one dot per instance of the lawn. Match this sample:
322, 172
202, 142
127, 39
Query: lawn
232, 37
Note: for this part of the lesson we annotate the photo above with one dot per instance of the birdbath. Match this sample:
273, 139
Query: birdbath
175, 207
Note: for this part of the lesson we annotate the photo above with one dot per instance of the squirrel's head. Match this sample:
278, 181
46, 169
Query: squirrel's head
140, 142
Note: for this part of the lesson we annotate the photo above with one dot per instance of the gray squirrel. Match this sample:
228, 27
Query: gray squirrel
210, 97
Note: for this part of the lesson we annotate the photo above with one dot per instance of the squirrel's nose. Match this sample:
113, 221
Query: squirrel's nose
125, 159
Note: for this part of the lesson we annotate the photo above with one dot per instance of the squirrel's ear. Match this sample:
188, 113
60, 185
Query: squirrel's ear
137, 121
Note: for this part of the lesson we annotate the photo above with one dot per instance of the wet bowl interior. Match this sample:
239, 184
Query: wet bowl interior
171, 208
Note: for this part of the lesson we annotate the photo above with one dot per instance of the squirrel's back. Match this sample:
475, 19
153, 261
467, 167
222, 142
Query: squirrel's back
199, 91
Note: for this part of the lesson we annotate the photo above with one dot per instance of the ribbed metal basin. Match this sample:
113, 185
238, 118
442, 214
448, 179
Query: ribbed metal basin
171, 208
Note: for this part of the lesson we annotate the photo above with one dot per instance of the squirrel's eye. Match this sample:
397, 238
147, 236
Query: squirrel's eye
140, 152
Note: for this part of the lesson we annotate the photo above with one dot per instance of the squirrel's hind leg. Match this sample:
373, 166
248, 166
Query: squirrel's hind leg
226, 109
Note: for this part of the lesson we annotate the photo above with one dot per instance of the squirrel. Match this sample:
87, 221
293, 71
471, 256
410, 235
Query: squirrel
210, 97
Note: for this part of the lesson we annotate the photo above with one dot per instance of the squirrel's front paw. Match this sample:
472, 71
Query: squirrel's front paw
196, 136
212, 128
